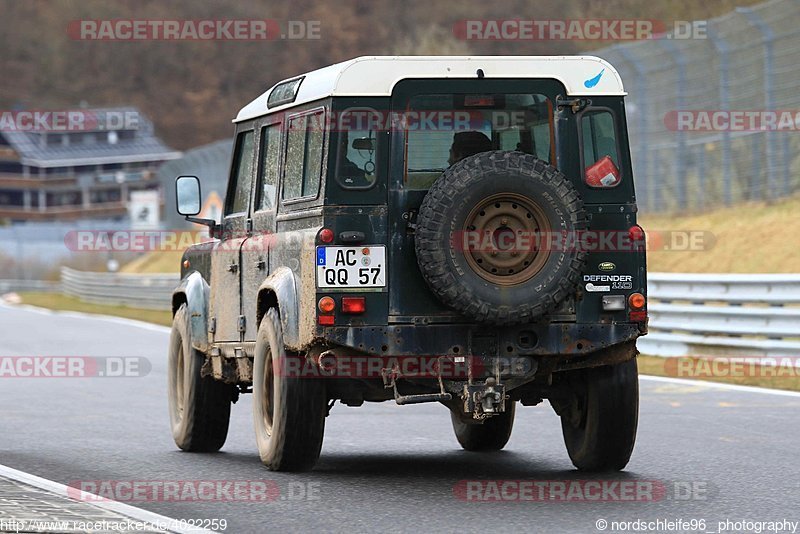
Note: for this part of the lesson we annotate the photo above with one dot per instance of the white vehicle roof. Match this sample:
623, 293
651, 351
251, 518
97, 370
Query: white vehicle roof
377, 76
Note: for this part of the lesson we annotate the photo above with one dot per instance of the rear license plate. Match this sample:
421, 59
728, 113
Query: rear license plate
351, 266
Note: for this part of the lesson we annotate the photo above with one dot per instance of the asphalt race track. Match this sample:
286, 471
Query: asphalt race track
715, 453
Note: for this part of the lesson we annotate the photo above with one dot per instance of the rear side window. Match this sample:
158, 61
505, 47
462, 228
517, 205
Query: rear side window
270, 166
599, 137
304, 146
241, 180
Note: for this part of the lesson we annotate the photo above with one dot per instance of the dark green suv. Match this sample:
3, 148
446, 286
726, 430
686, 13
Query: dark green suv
459, 230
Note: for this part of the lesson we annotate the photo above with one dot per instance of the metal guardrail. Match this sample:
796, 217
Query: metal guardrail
149, 291
723, 315
690, 314
14, 285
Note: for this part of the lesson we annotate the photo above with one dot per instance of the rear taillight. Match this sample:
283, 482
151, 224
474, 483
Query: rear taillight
326, 306
354, 305
636, 301
637, 316
325, 235
636, 234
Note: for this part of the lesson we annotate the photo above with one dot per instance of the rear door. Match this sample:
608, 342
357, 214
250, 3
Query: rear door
514, 114
225, 313
256, 250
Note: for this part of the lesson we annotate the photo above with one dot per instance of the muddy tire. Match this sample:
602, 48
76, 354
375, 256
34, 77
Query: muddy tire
199, 407
600, 430
492, 435
288, 411
477, 231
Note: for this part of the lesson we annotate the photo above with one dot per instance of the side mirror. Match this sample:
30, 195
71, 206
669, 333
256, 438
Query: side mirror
187, 194
187, 198
364, 143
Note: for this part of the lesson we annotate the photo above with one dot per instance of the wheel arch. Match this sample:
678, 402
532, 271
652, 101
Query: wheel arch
194, 291
279, 290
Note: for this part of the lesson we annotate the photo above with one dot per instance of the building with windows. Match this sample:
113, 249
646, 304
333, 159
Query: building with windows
88, 172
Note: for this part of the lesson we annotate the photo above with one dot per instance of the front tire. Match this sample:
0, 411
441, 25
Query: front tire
491, 435
288, 411
600, 427
199, 407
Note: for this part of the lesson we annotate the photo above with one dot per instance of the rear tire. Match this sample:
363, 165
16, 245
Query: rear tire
600, 428
288, 412
199, 407
491, 435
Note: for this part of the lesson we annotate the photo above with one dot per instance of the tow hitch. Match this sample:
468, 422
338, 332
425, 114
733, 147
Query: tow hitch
484, 400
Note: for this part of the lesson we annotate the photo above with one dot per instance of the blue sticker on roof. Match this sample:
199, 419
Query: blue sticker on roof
591, 82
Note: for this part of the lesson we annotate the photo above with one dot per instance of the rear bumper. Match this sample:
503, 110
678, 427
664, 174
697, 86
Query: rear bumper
566, 340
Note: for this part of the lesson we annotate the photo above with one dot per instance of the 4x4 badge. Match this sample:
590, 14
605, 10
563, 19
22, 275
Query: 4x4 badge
607, 266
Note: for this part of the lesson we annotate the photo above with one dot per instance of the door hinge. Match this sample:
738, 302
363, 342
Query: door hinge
575, 104
212, 325
242, 323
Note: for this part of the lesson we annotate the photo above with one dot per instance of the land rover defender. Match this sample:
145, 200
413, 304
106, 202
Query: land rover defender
458, 230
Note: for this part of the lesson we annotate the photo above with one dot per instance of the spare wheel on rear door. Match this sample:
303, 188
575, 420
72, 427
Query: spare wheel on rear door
485, 234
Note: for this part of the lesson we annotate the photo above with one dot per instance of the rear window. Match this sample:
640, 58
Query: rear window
442, 129
303, 166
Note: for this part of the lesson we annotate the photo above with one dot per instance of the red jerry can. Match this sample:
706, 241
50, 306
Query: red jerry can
603, 173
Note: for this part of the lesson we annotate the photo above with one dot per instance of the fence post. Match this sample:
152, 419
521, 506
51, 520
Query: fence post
723, 50
680, 100
701, 175
642, 115
767, 38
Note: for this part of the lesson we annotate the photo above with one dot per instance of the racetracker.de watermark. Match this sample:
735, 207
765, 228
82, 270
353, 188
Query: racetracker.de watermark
519, 29
67, 120
74, 366
219, 490
505, 239
105, 241
577, 491
333, 365
740, 120
733, 367
193, 30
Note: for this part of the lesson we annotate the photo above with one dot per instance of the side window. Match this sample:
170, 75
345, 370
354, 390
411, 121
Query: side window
599, 137
303, 165
270, 166
238, 196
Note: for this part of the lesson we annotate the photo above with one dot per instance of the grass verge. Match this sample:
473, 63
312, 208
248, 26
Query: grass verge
57, 301
752, 237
